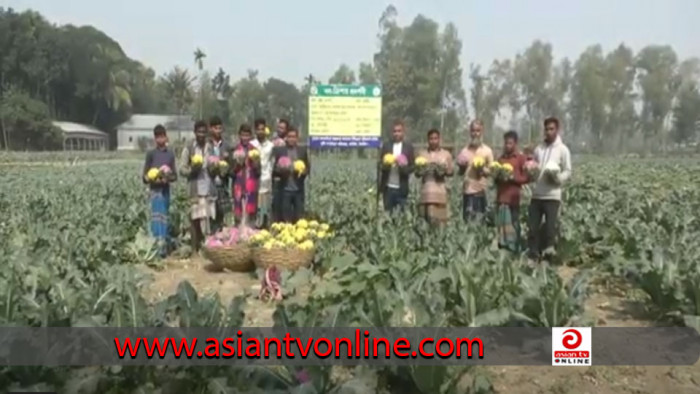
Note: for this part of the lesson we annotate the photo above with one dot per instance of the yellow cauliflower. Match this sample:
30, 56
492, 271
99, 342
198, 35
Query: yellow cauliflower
389, 159
197, 159
300, 235
306, 245
153, 174
478, 162
299, 166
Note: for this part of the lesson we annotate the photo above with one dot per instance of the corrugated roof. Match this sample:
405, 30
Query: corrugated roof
70, 127
149, 121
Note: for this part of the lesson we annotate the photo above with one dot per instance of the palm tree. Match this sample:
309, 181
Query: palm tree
115, 85
199, 56
117, 92
222, 85
178, 85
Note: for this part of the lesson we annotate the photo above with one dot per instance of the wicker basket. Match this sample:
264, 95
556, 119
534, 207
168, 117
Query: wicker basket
290, 259
237, 258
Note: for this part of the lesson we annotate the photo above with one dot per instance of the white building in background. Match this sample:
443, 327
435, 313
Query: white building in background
140, 127
78, 136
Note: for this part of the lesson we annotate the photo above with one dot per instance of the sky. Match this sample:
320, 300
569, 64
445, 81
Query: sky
290, 39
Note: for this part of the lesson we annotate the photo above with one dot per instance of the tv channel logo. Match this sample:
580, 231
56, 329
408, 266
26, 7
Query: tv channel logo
572, 346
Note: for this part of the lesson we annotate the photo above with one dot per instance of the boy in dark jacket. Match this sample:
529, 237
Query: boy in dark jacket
158, 172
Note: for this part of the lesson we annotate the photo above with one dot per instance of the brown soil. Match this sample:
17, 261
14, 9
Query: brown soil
613, 305
610, 304
206, 280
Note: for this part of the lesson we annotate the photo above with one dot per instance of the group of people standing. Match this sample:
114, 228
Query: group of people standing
245, 178
248, 180
543, 211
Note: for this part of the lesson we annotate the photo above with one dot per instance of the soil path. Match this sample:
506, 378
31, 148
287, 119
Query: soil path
609, 304
612, 305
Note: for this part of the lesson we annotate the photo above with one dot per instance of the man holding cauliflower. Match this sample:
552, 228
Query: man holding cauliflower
202, 190
509, 175
474, 165
291, 166
394, 169
158, 173
246, 172
554, 161
263, 144
220, 173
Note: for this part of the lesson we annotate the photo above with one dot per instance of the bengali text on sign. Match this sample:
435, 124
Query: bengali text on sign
345, 116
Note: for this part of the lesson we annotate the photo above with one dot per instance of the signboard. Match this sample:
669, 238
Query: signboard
345, 116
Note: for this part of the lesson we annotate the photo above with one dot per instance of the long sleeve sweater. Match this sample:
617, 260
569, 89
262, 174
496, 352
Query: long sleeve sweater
546, 188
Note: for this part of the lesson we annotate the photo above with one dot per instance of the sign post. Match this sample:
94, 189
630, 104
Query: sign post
345, 116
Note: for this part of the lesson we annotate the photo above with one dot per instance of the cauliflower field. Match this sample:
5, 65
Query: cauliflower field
73, 246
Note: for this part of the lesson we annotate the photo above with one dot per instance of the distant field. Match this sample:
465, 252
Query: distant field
65, 156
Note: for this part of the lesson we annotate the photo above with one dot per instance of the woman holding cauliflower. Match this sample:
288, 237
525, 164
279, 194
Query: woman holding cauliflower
554, 160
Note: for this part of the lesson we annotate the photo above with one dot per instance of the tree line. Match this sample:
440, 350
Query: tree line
609, 102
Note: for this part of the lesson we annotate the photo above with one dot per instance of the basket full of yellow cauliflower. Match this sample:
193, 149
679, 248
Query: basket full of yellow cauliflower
287, 245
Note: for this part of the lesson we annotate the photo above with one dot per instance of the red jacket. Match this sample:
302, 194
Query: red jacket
509, 192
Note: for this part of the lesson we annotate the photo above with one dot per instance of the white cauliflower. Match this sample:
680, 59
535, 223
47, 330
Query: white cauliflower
551, 172
552, 167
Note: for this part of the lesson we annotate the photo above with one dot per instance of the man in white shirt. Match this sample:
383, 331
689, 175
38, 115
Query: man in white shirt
554, 159
264, 145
